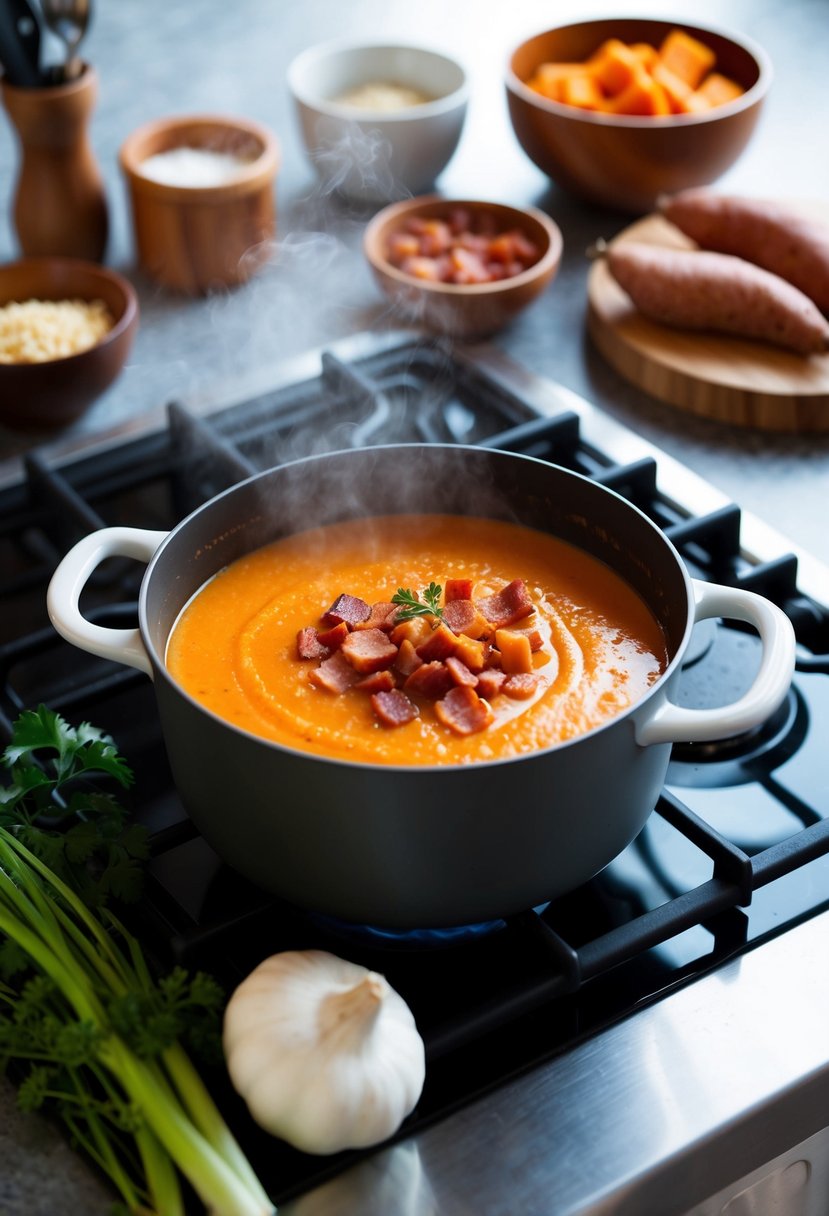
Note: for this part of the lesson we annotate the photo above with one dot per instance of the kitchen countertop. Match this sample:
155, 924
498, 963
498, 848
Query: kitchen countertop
156, 58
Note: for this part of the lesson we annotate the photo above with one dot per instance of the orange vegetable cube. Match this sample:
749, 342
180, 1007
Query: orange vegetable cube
719, 89
642, 96
548, 78
470, 652
687, 57
647, 54
697, 103
676, 90
615, 66
514, 647
416, 630
582, 90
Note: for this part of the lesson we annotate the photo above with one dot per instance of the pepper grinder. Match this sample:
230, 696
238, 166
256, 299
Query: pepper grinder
59, 204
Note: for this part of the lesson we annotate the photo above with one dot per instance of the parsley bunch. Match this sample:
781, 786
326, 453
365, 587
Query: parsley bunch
53, 806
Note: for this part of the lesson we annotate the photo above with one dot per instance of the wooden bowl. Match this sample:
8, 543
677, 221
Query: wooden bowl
54, 393
622, 161
468, 310
196, 238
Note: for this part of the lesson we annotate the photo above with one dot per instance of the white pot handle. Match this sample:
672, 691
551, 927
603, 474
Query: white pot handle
673, 724
70, 578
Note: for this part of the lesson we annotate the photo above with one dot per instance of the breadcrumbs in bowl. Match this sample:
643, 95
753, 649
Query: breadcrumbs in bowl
36, 331
66, 329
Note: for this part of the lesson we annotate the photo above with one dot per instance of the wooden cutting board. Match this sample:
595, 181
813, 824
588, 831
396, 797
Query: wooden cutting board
729, 379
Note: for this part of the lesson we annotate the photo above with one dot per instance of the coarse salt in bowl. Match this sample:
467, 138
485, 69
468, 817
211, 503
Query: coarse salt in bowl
202, 197
193, 167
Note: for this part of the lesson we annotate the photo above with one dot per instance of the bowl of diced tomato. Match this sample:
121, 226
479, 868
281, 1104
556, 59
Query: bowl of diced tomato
618, 111
462, 267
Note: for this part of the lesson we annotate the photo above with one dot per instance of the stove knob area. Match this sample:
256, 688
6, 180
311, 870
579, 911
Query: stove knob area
785, 1192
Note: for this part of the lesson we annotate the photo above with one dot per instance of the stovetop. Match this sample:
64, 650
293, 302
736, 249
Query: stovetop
736, 851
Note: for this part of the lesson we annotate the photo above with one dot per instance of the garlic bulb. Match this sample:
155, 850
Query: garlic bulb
324, 1052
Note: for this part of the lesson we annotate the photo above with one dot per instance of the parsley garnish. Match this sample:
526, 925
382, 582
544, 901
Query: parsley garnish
411, 606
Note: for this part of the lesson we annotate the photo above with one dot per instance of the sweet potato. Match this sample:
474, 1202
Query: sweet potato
769, 234
687, 57
699, 290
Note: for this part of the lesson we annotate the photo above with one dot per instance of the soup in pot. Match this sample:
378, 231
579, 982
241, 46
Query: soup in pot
417, 640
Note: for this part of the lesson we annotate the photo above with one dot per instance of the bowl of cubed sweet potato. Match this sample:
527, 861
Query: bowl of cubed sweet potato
621, 110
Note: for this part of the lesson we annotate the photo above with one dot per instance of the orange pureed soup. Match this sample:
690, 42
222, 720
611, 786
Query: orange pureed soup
592, 645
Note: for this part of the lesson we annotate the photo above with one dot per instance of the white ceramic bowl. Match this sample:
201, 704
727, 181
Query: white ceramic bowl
373, 154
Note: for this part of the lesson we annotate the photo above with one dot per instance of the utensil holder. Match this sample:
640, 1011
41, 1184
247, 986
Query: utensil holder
59, 204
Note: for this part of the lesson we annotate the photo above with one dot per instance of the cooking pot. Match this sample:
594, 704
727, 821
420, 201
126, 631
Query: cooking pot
420, 846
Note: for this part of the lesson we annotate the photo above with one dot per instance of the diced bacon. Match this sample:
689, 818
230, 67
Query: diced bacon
460, 673
308, 644
422, 268
333, 638
440, 643
348, 608
408, 660
463, 711
403, 245
508, 605
377, 681
369, 650
490, 683
380, 617
335, 674
459, 219
457, 589
513, 247
393, 707
468, 267
522, 685
431, 680
463, 617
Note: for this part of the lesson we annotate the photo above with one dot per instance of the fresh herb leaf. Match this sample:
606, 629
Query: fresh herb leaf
410, 605
52, 805
82, 749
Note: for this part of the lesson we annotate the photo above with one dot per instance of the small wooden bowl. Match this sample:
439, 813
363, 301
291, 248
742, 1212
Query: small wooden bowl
55, 393
463, 311
194, 238
623, 161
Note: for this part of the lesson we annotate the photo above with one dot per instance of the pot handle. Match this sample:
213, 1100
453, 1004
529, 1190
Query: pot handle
72, 575
674, 724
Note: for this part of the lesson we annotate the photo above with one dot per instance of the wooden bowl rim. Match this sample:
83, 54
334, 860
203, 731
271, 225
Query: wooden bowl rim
258, 172
547, 263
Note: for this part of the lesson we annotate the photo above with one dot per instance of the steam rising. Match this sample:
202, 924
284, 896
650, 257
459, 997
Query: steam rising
356, 161
378, 481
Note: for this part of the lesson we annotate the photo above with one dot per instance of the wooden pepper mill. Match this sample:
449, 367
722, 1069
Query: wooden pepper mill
59, 204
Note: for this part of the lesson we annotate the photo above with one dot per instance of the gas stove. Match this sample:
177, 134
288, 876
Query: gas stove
729, 879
